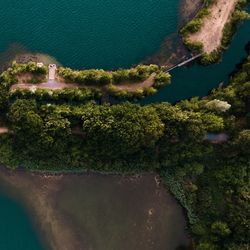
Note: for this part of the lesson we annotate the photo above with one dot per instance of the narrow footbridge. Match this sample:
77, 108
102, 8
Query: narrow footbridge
184, 62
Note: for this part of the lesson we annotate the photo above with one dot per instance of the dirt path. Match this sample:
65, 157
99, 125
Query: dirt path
52, 84
133, 87
4, 130
57, 85
212, 31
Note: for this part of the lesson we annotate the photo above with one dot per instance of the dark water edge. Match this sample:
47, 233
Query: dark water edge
17, 232
18, 227
172, 50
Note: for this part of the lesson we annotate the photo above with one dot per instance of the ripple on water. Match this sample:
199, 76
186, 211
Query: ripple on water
100, 33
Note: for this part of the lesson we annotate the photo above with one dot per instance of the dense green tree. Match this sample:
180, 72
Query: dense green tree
121, 129
206, 246
220, 228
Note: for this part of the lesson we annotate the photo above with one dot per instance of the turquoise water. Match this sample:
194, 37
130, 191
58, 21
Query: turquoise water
16, 228
90, 33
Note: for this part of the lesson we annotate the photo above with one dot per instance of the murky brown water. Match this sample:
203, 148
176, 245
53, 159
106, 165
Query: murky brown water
101, 212
113, 212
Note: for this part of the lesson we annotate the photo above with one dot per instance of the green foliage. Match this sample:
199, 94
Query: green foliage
71, 95
212, 57
239, 15
101, 77
239, 247
127, 126
7, 156
177, 190
86, 77
212, 122
8, 77
196, 47
206, 246
195, 24
161, 79
220, 228
218, 193
30, 67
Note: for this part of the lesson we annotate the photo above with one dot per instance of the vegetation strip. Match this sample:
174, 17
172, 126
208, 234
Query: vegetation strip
31, 80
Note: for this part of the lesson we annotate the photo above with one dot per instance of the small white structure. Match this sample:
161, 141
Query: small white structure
52, 71
33, 89
39, 64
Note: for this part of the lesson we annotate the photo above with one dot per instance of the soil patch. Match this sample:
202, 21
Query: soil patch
4, 130
211, 32
133, 87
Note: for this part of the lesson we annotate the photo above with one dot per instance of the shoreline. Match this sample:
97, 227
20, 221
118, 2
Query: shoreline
172, 50
186, 11
40, 207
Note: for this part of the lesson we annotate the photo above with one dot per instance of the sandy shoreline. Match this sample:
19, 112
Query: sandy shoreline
210, 35
38, 194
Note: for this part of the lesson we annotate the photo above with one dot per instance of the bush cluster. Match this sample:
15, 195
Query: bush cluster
101, 77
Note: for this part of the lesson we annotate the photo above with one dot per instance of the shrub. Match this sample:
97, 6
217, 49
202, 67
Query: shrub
162, 79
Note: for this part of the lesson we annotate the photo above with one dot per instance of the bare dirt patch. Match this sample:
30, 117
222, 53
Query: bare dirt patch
4, 130
211, 32
133, 87
50, 85
61, 84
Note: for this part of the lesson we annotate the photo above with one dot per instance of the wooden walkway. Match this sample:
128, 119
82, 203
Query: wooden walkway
184, 62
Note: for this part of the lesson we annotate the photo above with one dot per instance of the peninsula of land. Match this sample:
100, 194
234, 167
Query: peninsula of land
211, 32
